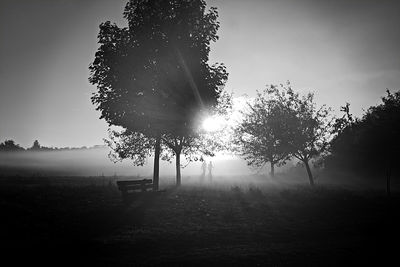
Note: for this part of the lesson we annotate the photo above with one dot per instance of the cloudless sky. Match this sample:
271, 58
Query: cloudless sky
344, 51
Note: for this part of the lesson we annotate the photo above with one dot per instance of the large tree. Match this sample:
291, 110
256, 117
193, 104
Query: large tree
260, 137
153, 76
369, 145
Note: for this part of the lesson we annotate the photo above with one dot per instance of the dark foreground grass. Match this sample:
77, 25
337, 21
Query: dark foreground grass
77, 223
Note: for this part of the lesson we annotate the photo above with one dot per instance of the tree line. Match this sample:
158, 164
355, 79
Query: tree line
11, 146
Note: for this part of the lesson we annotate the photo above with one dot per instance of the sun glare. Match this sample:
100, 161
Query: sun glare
212, 124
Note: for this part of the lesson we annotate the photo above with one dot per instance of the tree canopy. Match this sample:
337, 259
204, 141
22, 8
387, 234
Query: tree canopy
261, 136
308, 126
153, 77
368, 145
283, 124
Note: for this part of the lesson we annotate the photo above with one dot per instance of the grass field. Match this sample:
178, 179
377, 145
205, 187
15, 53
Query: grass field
82, 220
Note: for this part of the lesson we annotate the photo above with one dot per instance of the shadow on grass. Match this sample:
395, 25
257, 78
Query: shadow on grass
195, 225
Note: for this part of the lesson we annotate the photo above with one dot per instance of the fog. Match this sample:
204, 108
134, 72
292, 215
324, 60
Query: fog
228, 169
95, 162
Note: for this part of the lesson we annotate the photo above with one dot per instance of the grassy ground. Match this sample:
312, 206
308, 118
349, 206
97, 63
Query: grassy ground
83, 220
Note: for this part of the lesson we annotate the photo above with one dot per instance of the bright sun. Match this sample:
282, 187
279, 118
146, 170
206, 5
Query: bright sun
212, 124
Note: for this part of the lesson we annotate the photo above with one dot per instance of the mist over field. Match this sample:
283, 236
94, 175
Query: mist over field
95, 162
228, 170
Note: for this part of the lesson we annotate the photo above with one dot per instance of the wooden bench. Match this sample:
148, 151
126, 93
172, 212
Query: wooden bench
129, 187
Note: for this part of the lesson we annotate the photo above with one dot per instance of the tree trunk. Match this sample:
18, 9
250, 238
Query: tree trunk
178, 168
310, 176
156, 172
272, 169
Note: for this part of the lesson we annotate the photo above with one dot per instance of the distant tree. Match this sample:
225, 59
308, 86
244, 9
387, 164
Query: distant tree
10, 146
152, 76
261, 136
36, 146
308, 127
369, 145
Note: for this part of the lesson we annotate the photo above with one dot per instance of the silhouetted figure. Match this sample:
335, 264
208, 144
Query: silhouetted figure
210, 167
203, 170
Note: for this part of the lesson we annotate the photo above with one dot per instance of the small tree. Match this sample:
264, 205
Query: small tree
308, 127
260, 138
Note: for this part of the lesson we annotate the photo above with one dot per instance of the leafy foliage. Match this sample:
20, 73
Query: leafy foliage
282, 124
309, 127
369, 145
133, 145
153, 77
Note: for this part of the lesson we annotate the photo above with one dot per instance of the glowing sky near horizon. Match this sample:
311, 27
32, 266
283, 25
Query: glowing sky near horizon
343, 50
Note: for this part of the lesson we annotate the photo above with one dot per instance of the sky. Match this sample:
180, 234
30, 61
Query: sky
343, 51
